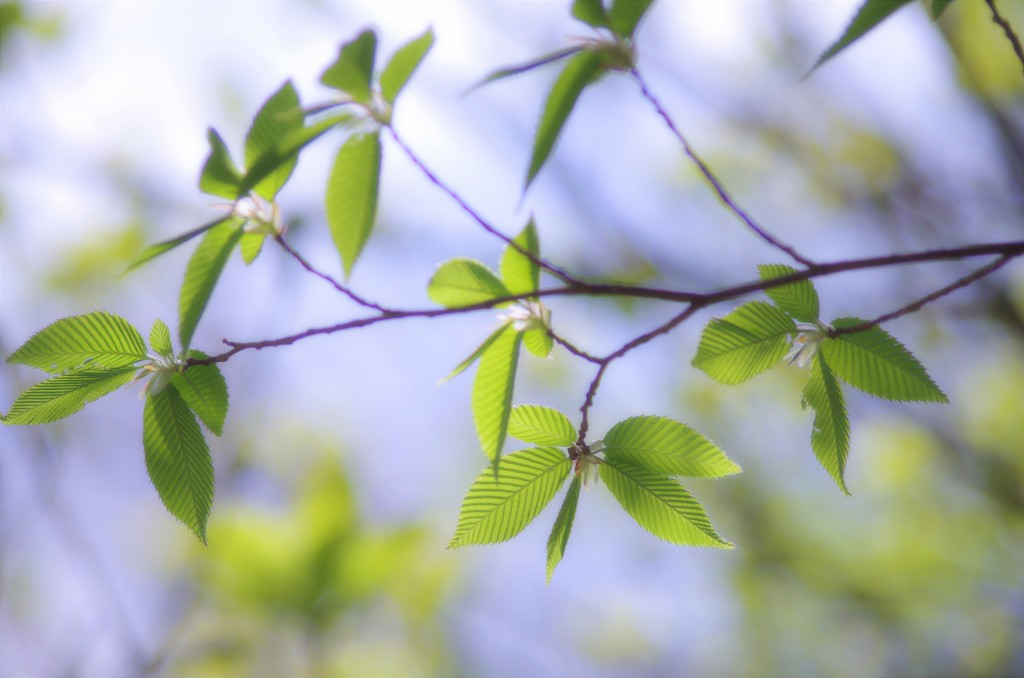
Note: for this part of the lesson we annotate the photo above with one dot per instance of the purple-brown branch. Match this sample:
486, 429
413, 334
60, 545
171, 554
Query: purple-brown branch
998, 19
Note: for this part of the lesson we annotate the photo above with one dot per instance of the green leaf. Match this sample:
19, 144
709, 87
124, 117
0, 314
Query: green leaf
666, 447
352, 195
528, 66
540, 425
99, 339
220, 176
153, 251
353, 70
798, 299
250, 244
590, 12
870, 14
475, 355
660, 505
876, 363
538, 342
160, 338
830, 437
280, 115
403, 64
464, 282
938, 7
625, 15
62, 396
178, 459
520, 273
581, 70
497, 507
492, 391
201, 274
744, 343
205, 392
559, 536
287, 148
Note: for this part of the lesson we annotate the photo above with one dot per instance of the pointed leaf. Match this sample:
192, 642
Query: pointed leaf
666, 447
830, 437
559, 536
590, 12
100, 340
528, 66
660, 505
492, 391
498, 506
744, 343
287, 149
625, 15
475, 355
798, 299
201, 274
250, 245
153, 251
403, 64
938, 7
178, 459
581, 70
538, 342
876, 363
870, 14
520, 273
540, 425
279, 116
220, 176
352, 71
352, 195
62, 396
205, 392
464, 282
160, 338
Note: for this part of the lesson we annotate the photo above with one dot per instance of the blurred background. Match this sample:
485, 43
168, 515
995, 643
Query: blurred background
343, 463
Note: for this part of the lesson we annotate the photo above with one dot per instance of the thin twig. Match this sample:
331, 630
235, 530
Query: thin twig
323, 276
1008, 30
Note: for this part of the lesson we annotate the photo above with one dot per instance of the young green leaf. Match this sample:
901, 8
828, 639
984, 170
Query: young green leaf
220, 176
250, 245
201, 274
798, 299
528, 66
62, 396
463, 282
491, 398
352, 195
403, 64
100, 340
178, 460
559, 536
538, 342
352, 71
540, 425
660, 505
520, 273
625, 15
581, 70
205, 392
153, 251
877, 363
497, 507
590, 12
938, 7
744, 343
279, 116
870, 14
666, 447
830, 437
160, 338
475, 355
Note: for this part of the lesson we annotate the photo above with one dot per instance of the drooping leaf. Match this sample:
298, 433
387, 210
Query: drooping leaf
830, 437
528, 66
201, 274
538, 342
520, 273
352, 195
403, 64
160, 338
63, 395
153, 251
559, 536
540, 425
590, 12
205, 392
280, 115
666, 447
178, 459
352, 71
625, 15
491, 398
581, 70
938, 7
798, 299
870, 14
660, 505
220, 175
876, 363
744, 343
463, 282
475, 355
99, 340
250, 245
498, 506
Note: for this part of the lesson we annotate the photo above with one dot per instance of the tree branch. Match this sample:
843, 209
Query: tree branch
997, 18
323, 276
